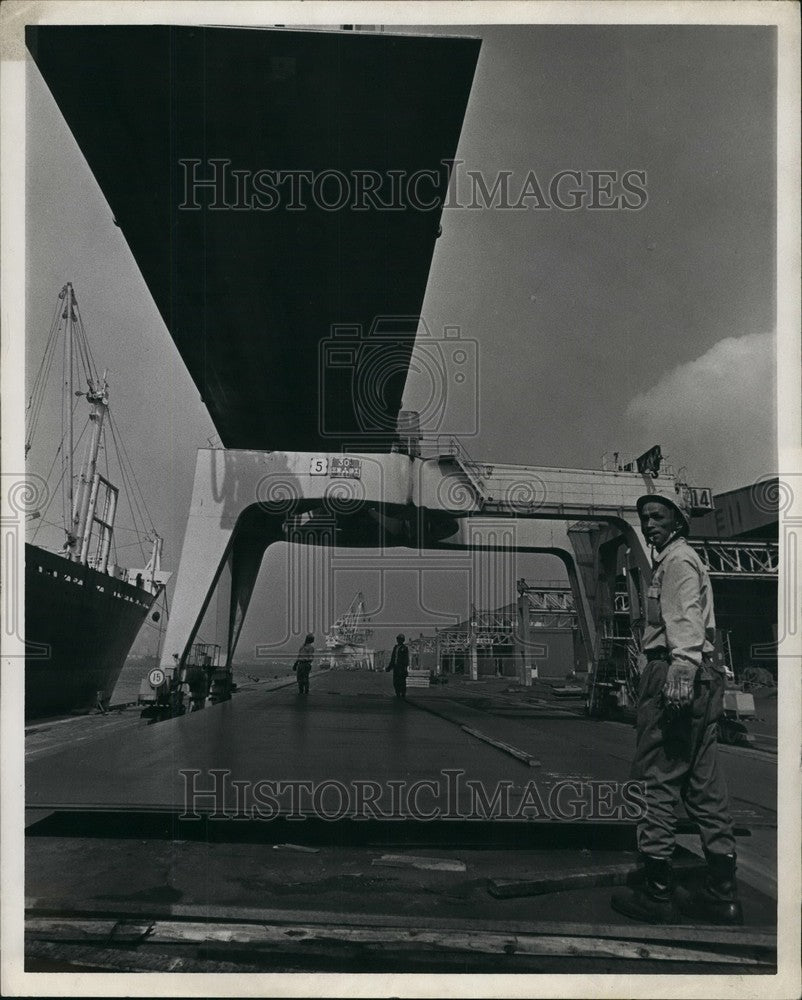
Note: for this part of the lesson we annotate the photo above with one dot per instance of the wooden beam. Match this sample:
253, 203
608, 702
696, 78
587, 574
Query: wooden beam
521, 755
138, 911
289, 940
414, 861
57, 956
539, 884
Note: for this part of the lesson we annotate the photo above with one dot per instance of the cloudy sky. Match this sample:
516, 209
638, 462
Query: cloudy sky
596, 327
594, 331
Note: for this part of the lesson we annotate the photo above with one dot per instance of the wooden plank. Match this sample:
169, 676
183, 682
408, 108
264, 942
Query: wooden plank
299, 938
756, 936
413, 861
66, 955
568, 691
521, 755
385, 939
72, 929
543, 885
539, 884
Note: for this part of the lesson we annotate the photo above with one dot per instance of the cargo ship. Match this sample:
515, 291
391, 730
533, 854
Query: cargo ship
83, 610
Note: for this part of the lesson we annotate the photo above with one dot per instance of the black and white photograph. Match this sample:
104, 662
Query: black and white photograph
402, 497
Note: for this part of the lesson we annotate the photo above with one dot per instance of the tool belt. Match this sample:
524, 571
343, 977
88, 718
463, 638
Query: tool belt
662, 654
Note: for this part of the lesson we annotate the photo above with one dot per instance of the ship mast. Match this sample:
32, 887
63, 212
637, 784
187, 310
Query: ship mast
68, 315
98, 396
90, 499
82, 503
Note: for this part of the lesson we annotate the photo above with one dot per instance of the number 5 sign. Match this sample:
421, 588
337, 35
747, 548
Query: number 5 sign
319, 467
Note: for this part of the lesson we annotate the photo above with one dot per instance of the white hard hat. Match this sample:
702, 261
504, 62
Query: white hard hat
677, 503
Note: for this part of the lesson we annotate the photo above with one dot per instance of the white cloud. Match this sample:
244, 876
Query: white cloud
715, 415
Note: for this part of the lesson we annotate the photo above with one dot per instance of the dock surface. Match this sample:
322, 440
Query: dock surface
113, 837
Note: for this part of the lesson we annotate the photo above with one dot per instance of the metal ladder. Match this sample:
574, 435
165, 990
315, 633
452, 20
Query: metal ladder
474, 472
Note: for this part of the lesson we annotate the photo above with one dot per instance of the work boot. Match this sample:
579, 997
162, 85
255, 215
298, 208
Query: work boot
654, 901
717, 901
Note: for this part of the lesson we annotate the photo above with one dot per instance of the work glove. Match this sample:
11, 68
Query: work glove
678, 688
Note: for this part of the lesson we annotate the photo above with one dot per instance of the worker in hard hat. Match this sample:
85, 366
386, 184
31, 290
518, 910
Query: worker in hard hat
399, 664
303, 665
680, 700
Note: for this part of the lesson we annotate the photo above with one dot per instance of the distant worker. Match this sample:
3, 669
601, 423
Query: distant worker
680, 700
303, 664
399, 664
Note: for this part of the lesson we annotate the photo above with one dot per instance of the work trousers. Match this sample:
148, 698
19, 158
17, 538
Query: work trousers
400, 684
303, 678
676, 756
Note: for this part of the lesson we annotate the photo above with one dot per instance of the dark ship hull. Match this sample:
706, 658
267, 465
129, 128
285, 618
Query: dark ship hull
79, 626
